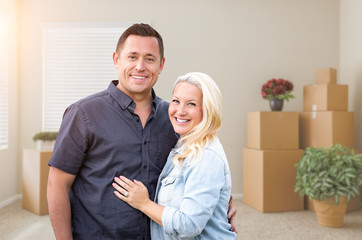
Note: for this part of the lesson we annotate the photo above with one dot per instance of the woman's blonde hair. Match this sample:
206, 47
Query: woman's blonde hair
202, 134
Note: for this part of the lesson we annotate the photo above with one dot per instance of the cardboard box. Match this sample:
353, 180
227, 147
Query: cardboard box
353, 205
326, 75
325, 97
35, 179
269, 178
273, 130
323, 129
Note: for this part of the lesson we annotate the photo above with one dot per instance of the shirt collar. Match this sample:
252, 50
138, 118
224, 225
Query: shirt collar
125, 101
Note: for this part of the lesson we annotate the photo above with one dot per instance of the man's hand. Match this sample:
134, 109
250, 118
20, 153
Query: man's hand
232, 214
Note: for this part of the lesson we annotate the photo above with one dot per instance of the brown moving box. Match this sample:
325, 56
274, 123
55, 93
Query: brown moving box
35, 178
325, 97
323, 129
273, 130
269, 178
326, 75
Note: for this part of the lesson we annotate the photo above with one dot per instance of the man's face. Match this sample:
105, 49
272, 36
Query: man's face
139, 63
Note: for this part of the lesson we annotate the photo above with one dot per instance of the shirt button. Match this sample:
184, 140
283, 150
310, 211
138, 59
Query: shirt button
144, 166
144, 142
138, 120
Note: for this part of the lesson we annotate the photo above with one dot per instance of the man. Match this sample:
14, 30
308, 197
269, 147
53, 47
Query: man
122, 130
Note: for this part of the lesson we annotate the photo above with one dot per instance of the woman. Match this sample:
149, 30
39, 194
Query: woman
194, 187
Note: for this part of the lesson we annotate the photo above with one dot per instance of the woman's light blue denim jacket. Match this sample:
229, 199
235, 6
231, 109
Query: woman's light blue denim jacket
195, 197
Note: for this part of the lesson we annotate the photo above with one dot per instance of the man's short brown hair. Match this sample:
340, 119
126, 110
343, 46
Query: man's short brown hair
143, 30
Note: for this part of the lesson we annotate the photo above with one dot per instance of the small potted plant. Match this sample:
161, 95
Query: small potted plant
276, 90
330, 177
45, 140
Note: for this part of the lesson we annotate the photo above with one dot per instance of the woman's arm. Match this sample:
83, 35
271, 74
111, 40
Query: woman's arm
137, 197
200, 196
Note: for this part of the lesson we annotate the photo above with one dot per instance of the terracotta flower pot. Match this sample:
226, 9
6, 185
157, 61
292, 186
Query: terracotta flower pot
330, 215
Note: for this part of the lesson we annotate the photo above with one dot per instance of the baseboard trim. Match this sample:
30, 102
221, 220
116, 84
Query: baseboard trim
240, 196
237, 196
10, 200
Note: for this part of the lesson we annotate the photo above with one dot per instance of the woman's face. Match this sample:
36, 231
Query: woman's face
185, 110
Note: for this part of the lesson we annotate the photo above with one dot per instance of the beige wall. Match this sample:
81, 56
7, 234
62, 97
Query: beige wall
241, 44
351, 59
9, 159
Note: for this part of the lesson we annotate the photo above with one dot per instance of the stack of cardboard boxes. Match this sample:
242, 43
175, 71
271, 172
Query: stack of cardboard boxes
268, 162
325, 119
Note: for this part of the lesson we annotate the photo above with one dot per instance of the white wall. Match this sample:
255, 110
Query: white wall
9, 160
240, 43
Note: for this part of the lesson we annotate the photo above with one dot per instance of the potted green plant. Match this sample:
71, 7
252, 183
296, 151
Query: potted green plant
329, 176
45, 140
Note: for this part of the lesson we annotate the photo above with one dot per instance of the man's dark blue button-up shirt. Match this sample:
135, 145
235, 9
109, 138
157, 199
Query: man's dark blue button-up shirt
100, 138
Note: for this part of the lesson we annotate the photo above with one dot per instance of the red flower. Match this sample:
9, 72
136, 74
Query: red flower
279, 81
277, 88
288, 86
264, 93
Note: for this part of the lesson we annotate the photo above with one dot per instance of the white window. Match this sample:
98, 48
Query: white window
77, 62
4, 114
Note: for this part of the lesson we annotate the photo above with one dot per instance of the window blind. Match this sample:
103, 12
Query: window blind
4, 114
77, 62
